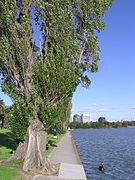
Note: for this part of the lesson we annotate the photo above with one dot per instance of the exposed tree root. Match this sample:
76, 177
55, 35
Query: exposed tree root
32, 151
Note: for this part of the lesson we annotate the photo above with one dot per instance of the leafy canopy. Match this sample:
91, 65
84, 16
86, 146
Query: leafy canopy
43, 77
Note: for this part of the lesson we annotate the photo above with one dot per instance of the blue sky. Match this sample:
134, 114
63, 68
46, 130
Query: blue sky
112, 92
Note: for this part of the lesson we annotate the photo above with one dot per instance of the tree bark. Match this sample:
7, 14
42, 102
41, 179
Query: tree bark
32, 151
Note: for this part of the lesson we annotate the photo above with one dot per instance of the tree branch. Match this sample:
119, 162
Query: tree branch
81, 54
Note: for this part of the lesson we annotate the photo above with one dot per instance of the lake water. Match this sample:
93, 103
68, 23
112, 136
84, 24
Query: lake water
115, 147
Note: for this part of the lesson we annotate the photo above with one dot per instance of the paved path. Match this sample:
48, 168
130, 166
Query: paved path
66, 155
65, 151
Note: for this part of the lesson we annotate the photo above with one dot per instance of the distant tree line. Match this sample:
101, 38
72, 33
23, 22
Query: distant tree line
118, 124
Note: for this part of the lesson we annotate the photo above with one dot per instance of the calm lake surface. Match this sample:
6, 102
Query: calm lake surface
115, 147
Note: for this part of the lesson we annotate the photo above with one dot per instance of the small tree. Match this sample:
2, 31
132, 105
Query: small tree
39, 80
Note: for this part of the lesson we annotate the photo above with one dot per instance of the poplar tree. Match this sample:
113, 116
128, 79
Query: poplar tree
39, 79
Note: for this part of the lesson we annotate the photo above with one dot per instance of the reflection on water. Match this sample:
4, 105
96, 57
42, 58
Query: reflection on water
115, 147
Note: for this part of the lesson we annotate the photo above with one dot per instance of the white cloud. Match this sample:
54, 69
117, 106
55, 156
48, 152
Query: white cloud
132, 108
105, 108
97, 108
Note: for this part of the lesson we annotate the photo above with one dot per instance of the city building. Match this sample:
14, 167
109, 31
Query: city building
102, 119
85, 118
76, 118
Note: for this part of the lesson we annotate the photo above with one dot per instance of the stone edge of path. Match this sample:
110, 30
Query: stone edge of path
75, 149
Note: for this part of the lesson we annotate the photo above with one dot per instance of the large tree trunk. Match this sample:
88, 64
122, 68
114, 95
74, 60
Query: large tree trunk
32, 151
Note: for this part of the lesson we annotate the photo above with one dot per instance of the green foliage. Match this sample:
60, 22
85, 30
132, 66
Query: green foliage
70, 28
48, 115
64, 111
14, 42
17, 118
55, 79
42, 82
56, 116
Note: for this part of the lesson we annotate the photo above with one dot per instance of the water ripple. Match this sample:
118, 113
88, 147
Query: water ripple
115, 147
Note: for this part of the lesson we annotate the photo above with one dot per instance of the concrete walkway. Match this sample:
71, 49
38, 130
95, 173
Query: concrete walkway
65, 154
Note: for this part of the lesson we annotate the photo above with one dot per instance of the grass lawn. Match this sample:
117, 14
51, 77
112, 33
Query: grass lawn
10, 170
52, 142
7, 143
